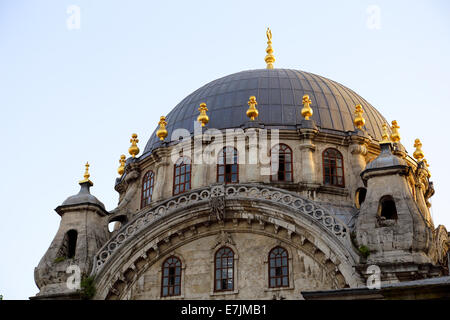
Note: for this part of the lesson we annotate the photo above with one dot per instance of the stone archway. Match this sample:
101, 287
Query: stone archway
263, 212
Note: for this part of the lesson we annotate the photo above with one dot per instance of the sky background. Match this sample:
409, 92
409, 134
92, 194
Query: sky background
68, 96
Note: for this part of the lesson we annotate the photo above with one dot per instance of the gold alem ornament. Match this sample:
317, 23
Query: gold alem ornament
385, 137
122, 161
395, 135
203, 117
270, 58
252, 112
161, 133
418, 153
86, 175
359, 120
307, 111
134, 150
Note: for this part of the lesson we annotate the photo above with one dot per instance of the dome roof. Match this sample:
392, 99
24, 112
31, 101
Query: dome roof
83, 197
279, 95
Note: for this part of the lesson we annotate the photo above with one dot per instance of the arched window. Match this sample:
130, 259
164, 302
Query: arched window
147, 188
171, 277
278, 268
224, 270
182, 175
281, 163
360, 197
333, 168
387, 208
227, 166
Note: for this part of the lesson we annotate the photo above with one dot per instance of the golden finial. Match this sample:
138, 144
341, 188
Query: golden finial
359, 120
270, 58
395, 136
162, 131
86, 175
307, 111
134, 150
203, 117
122, 161
252, 112
427, 166
418, 153
385, 137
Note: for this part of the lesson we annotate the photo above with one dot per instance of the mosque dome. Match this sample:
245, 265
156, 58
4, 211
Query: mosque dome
279, 95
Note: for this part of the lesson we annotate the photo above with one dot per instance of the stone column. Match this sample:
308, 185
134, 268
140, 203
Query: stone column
307, 132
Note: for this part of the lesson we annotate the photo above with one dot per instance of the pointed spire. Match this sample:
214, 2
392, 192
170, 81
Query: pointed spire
203, 117
385, 137
307, 111
359, 120
252, 112
270, 58
395, 136
86, 175
418, 153
162, 131
122, 161
134, 149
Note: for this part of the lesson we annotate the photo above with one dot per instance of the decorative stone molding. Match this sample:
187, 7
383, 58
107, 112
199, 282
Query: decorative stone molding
249, 192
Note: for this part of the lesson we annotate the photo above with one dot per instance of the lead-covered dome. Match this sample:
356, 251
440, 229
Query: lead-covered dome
279, 95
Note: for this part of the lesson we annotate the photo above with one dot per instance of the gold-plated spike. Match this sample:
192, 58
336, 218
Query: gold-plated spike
385, 137
418, 153
395, 135
307, 111
122, 161
203, 117
270, 58
86, 175
161, 133
134, 150
359, 120
252, 112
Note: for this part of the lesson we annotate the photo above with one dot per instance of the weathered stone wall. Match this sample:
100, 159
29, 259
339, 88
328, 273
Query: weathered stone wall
251, 271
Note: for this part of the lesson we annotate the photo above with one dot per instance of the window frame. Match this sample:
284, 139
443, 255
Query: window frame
287, 275
221, 269
182, 162
150, 174
163, 267
287, 148
223, 153
338, 156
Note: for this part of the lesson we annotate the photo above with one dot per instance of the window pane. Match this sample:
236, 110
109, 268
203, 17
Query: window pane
285, 281
285, 271
272, 282
272, 272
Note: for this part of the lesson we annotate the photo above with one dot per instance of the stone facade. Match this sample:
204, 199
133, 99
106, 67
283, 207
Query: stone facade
324, 228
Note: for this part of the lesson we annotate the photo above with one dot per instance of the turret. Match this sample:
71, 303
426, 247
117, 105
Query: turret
82, 231
390, 229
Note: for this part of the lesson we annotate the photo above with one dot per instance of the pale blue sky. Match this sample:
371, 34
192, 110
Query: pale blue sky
68, 96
